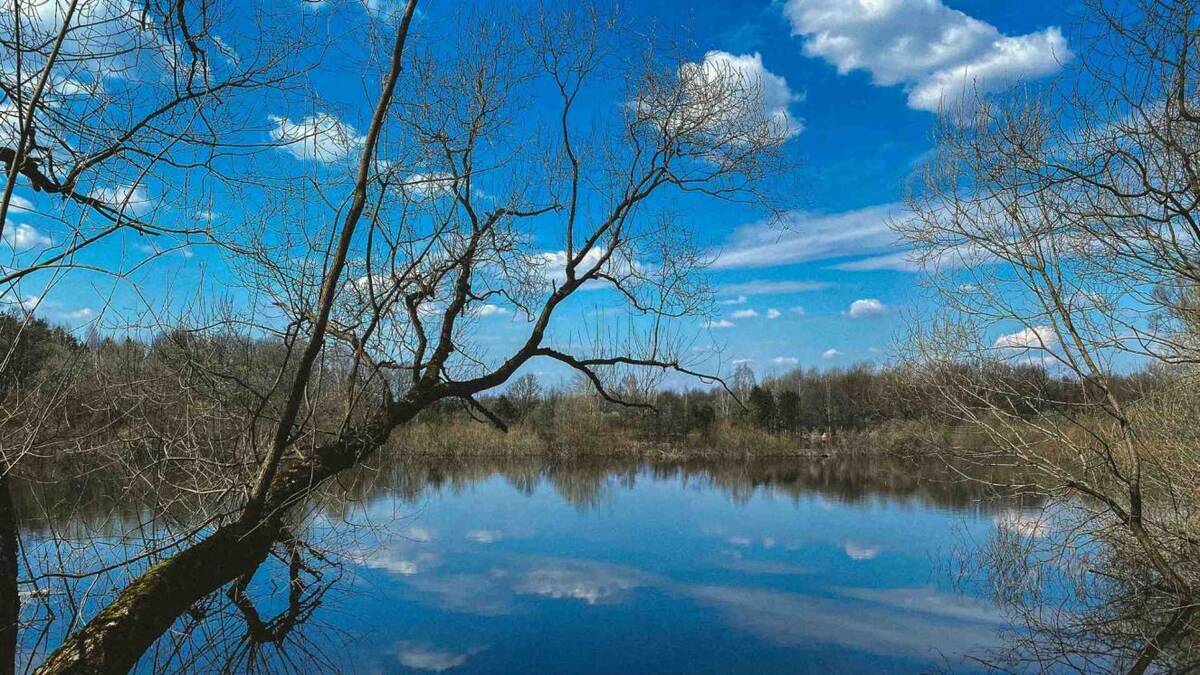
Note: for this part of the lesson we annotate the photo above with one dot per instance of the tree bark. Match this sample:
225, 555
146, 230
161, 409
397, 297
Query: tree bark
116, 638
10, 600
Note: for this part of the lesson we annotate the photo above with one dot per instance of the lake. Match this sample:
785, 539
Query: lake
843, 564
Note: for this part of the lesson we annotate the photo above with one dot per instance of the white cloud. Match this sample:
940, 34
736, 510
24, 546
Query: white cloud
767, 287
773, 314
484, 536
22, 237
19, 204
321, 137
739, 300
554, 265
1030, 525
867, 307
785, 360
720, 323
417, 533
830, 354
1036, 337
744, 314
797, 310
936, 53
804, 237
132, 199
491, 310
420, 656
422, 186
861, 551
720, 70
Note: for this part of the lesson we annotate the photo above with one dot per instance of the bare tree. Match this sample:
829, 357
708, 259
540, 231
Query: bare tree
103, 103
1066, 221
375, 268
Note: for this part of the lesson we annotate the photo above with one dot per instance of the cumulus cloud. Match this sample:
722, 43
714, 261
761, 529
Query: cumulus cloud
321, 137
1034, 337
936, 53
744, 314
867, 307
830, 354
772, 98
22, 237
773, 314
720, 323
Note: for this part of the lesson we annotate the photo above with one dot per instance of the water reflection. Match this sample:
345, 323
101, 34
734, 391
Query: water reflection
603, 565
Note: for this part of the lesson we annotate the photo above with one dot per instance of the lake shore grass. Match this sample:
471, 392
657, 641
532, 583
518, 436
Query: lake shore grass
458, 438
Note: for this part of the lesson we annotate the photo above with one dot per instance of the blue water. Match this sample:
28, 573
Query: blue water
793, 565
664, 574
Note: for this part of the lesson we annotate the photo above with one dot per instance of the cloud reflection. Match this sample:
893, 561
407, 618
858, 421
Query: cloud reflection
421, 656
919, 624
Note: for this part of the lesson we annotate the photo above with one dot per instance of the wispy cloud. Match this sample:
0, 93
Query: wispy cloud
805, 237
768, 287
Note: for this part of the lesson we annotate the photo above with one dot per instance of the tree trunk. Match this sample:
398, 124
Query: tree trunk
116, 638
10, 600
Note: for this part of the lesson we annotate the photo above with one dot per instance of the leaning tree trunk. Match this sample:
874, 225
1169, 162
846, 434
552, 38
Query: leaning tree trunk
10, 600
116, 638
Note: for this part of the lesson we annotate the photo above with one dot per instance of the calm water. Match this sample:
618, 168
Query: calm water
785, 566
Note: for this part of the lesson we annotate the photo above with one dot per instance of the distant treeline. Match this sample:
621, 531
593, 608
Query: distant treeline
800, 409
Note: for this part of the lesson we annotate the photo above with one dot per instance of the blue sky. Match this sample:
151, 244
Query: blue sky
861, 79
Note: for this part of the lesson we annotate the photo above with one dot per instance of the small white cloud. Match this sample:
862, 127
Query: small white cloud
22, 237
739, 300
867, 307
321, 137
785, 360
417, 533
491, 310
130, 199
744, 314
419, 656
19, 204
861, 551
422, 186
1031, 525
720, 323
484, 536
773, 314
1036, 337
797, 310
830, 354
